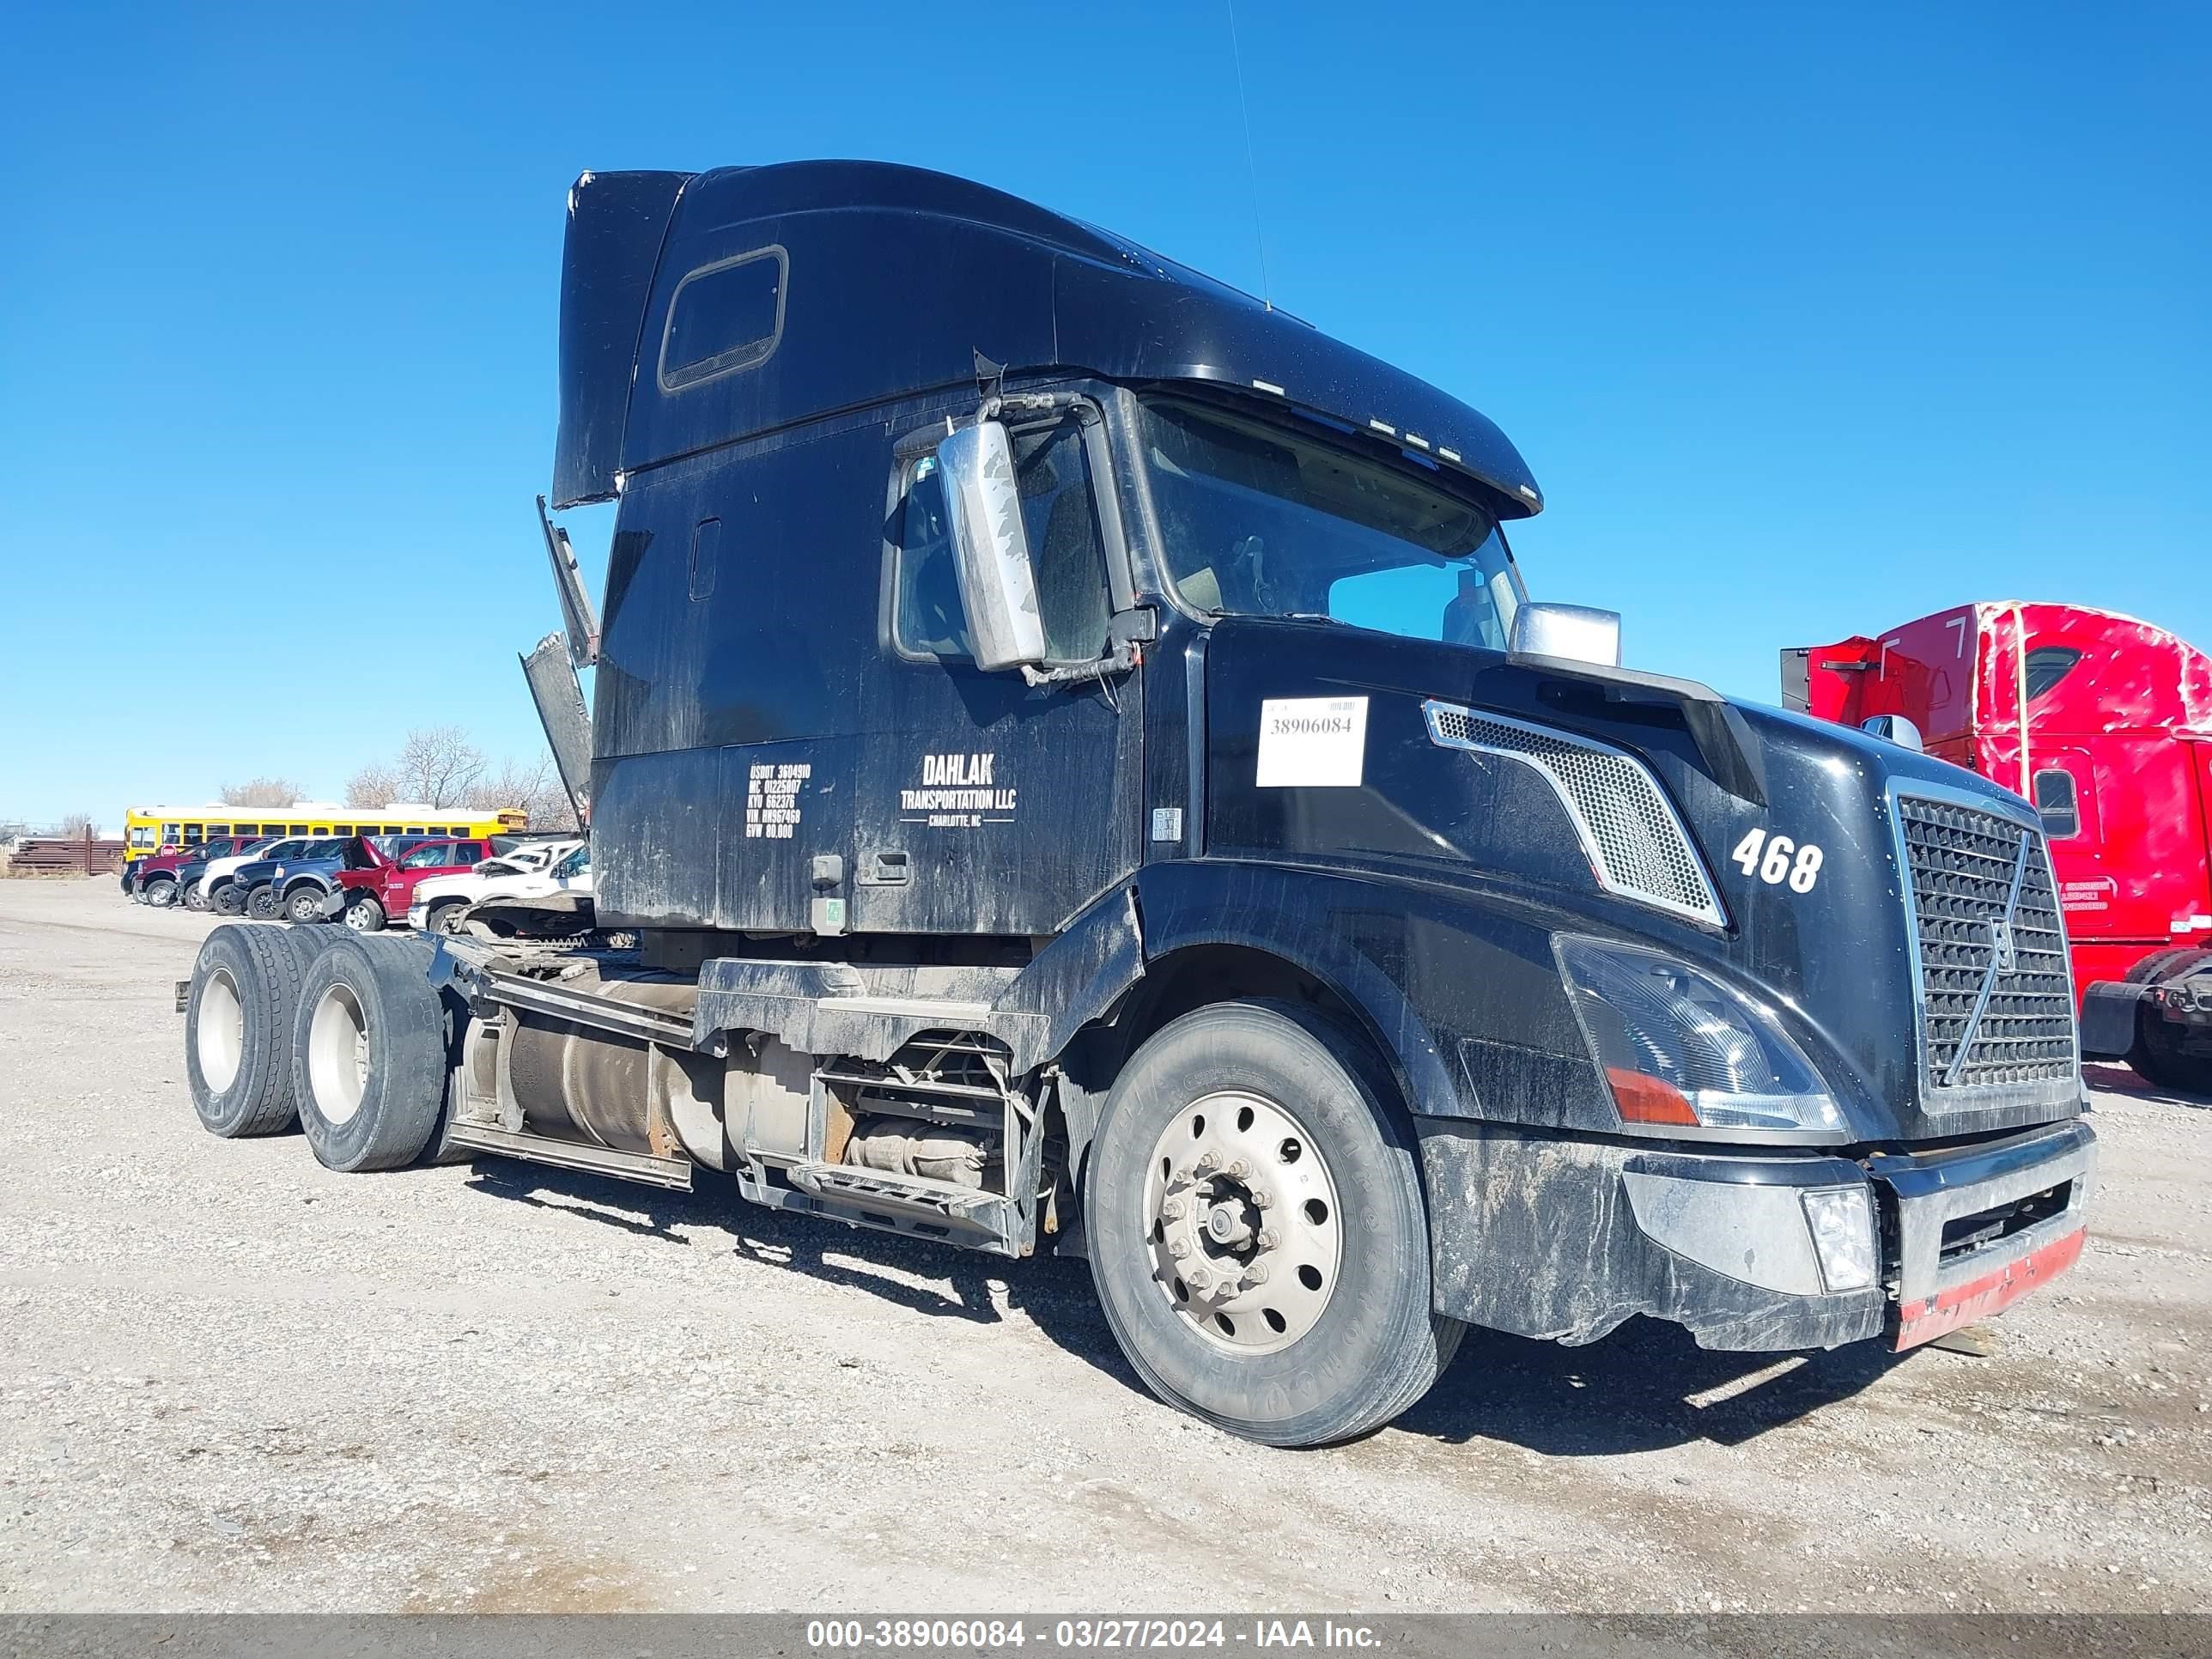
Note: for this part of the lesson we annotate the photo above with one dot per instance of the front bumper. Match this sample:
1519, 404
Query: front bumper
1555, 1237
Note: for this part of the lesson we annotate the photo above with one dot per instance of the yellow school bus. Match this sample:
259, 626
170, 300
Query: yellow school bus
149, 830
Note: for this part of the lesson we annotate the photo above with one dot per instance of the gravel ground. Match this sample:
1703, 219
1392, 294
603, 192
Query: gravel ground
231, 1380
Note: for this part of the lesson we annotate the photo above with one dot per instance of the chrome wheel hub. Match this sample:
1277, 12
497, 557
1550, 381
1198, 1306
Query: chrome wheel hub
1241, 1212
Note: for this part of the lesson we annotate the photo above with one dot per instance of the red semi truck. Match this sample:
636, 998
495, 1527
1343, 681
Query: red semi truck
2105, 723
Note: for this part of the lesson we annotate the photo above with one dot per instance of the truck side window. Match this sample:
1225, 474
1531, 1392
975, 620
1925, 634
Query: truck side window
2056, 800
927, 620
1053, 472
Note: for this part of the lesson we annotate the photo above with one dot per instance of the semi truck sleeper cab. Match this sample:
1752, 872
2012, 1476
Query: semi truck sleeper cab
1072, 766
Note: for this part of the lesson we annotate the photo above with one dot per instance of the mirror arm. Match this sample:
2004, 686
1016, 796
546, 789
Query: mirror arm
1122, 658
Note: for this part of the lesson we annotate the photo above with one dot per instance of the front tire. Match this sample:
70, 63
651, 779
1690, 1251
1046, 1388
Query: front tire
228, 900
161, 893
364, 915
368, 1053
445, 918
304, 905
192, 898
1257, 1232
261, 902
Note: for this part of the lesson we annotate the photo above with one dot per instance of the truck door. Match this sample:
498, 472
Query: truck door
988, 805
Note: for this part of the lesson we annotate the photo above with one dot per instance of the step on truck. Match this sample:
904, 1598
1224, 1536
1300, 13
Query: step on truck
1071, 767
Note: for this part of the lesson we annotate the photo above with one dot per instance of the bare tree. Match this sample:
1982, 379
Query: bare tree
535, 788
78, 825
373, 784
439, 765
262, 791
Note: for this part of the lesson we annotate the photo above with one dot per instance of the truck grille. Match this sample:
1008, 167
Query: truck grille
1996, 1005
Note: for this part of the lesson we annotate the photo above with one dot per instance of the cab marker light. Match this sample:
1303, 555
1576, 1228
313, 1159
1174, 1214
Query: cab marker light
1268, 385
1383, 426
1419, 442
1451, 455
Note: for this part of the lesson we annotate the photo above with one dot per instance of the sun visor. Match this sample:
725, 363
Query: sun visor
616, 223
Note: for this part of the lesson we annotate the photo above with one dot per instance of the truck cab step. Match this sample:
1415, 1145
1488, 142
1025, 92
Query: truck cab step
967, 1208
674, 1173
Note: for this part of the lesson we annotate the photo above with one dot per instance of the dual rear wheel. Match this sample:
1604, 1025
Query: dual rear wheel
340, 1034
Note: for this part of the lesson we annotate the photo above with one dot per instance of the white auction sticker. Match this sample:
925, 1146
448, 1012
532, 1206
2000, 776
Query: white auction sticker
1312, 743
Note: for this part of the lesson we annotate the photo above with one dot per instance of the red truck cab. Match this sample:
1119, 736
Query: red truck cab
2105, 723
380, 884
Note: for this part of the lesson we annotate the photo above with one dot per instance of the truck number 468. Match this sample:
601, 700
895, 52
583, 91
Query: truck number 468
1777, 859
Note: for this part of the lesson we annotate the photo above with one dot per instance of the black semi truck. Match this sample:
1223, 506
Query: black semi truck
1072, 767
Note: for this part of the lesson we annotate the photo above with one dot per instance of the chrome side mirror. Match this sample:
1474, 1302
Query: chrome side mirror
1574, 632
1893, 728
991, 547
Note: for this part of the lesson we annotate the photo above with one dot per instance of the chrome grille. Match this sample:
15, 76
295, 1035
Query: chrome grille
1635, 840
1996, 1003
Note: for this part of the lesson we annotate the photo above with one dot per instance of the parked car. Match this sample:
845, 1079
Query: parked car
378, 880
294, 885
157, 878
441, 902
219, 881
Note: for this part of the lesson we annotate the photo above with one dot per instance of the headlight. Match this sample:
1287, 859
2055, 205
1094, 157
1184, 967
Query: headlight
1678, 1047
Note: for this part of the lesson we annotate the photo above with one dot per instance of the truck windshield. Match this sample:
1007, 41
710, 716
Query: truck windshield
1260, 521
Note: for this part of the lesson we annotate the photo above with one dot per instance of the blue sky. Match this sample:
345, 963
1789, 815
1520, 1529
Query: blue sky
1808, 322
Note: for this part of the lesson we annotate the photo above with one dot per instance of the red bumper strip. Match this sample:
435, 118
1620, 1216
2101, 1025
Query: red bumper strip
1979, 1298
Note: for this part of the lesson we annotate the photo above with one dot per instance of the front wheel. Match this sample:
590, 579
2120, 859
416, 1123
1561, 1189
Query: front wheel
446, 918
192, 898
228, 900
1257, 1232
304, 904
364, 915
261, 903
161, 893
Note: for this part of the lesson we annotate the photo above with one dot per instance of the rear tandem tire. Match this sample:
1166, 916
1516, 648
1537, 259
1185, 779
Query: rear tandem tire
238, 1029
1374, 1345
368, 1053
2157, 1057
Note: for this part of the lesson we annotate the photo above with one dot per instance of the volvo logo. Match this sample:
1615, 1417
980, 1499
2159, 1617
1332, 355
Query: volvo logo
2006, 954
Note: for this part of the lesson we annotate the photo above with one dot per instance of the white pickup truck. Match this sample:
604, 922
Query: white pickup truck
528, 872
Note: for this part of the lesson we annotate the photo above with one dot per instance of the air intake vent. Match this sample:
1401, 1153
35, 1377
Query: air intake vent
1990, 950
1634, 838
